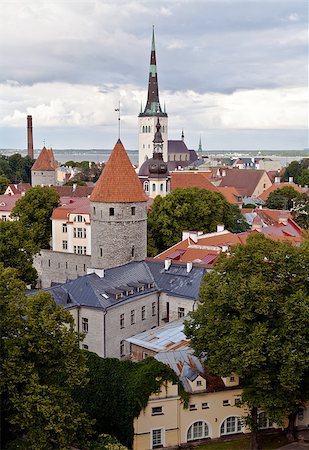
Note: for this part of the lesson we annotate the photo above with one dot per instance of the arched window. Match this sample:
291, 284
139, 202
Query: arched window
153, 187
263, 421
143, 129
146, 186
231, 425
198, 430
79, 219
161, 187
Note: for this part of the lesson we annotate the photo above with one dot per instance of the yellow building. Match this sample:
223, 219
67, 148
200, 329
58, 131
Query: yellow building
213, 410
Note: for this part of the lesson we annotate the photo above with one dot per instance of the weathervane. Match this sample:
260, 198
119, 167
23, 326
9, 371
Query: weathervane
118, 109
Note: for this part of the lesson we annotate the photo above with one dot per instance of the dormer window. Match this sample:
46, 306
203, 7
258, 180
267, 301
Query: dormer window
130, 292
118, 296
79, 218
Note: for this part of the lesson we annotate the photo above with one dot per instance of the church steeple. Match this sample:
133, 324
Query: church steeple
153, 107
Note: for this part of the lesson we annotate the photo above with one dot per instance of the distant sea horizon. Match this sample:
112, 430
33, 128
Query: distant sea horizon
102, 155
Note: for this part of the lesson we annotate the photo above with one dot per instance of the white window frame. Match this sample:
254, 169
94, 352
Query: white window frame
238, 426
85, 325
205, 431
162, 443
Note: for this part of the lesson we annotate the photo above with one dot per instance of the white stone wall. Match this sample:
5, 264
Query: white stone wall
145, 144
43, 178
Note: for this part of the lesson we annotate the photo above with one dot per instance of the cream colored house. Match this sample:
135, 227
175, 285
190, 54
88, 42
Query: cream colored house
71, 228
213, 410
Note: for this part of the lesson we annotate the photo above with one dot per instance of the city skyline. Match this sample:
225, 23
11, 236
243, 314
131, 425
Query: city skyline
232, 72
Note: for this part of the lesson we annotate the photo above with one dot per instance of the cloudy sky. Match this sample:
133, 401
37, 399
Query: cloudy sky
233, 72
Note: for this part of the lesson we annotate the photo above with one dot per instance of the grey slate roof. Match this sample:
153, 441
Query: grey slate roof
93, 291
176, 280
140, 277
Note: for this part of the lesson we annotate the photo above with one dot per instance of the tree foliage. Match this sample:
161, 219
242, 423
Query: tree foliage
282, 198
299, 171
41, 364
118, 390
34, 211
17, 250
4, 182
253, 320
16, 168
188, 209
300, 211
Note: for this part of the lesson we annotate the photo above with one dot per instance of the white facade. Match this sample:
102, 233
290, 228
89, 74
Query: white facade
72, 235
146, 131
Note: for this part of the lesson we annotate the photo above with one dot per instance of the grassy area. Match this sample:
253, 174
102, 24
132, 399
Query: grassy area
266, 442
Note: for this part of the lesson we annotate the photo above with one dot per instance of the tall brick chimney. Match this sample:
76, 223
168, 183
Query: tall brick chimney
30, 137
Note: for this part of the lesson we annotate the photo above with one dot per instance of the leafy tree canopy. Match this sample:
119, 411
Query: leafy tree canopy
4, 182
282, 198
17, 250
41, 363
253, 321
300, 211
118, 390
299, 171
16, 168
189, 209
34, 211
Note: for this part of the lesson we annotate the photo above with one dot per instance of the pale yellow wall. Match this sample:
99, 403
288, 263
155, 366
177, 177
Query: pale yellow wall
176, 420
263, 184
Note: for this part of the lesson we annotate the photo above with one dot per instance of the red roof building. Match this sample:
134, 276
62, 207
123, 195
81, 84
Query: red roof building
118, 183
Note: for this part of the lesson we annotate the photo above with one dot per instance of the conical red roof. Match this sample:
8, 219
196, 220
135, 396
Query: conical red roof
118, 182
45, 160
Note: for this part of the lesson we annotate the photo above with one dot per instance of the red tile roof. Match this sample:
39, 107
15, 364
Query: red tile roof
264, 196
7, 201
73, 191
14, 189
191, 179
118, 183
45, 161
69, 205
231, 194
245, 181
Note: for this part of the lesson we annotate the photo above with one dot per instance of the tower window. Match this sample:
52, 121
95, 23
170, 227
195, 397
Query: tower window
161, 187
153, 187
133, 210
111, 211
133, 251
101, 251
94, 210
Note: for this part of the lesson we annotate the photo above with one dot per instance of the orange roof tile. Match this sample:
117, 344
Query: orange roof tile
45, 160
264, 196
118, 182
231, 194
191, 179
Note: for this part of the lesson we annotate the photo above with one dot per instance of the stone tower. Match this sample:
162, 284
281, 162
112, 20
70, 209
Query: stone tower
147, 119
118, 207
44, 170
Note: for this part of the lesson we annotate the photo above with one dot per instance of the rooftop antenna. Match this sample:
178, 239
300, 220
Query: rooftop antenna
118, 109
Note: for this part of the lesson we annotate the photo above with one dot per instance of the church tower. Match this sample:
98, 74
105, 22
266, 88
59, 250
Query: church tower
147, 120
158, 172
118, 208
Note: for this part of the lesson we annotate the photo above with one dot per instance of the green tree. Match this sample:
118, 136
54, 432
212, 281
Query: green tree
300, 211
239, 222
17, 250
253, 321
282, 198
4, 182
118, 390
303, 178
34, 211
187, 209
299, 171
41, 364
